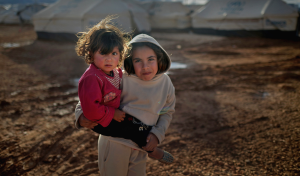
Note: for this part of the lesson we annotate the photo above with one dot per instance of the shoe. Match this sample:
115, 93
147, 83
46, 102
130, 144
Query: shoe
166, 159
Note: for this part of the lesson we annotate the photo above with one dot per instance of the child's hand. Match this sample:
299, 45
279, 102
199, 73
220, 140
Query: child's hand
152, 142
84, 122
119, 115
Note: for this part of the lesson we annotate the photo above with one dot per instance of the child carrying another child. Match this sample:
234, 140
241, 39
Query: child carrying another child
148, 96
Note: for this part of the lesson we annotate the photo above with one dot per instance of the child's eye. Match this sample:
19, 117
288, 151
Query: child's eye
151, 59
115, 53
102, 53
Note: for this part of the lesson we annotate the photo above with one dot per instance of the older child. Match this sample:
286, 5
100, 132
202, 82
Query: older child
148, 95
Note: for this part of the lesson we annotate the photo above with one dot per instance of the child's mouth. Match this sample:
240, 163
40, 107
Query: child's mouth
148, 73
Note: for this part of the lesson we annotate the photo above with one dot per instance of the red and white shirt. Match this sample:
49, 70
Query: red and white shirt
99, 94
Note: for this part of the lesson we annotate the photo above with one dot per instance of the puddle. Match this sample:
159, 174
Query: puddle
15, 45
73, 82
177, 65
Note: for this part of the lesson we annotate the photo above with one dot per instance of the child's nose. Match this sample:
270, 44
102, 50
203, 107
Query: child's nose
145, 64
108, 57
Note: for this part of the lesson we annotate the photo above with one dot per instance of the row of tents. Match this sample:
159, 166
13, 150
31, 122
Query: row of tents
64, 18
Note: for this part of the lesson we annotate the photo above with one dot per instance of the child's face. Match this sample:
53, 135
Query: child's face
106, 62
144, 62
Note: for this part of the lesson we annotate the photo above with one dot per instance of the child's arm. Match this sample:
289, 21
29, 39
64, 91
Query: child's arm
152, 142
118, 116
78, 112
164, 120
80, 120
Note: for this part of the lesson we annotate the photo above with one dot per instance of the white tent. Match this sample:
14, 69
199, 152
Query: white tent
26, 2
8, 14
231, 17
63, 19
27, 12
167, 16
19, 13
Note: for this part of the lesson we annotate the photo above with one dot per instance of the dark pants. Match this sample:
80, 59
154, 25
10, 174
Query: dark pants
130, 128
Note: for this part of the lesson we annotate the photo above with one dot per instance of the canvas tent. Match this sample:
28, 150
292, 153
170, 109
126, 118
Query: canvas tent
63, 19
246, 17
27, 2
19, 13
28, 11
168, 16
8, 14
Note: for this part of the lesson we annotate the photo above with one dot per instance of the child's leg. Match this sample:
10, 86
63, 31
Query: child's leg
157, 153
114, 129
117, 159
130, 128
137, 163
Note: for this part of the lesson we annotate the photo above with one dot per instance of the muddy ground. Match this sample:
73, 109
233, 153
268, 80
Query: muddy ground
237, 110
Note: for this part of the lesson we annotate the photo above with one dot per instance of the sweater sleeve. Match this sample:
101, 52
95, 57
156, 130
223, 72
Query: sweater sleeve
90, 95
164, 120
78, 112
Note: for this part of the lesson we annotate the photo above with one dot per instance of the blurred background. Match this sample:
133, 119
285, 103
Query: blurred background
60, 20
235, 68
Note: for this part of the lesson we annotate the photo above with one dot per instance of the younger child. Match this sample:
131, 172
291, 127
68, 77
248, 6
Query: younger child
99, 87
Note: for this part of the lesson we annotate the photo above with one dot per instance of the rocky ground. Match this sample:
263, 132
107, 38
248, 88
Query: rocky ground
237, 110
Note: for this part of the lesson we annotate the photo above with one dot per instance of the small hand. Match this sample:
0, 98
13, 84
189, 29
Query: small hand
119, 115
84, 122
152, 142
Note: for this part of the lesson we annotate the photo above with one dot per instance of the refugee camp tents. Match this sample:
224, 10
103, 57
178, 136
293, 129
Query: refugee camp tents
194, 5
28, 11
63, 19
27, 2
193, 8
168, 16
8, 14
19, 13
271, 18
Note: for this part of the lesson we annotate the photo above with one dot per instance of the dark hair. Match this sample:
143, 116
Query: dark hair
104, 36
162, 59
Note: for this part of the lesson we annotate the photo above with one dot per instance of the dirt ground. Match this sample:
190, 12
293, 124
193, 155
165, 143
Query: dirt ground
237, 109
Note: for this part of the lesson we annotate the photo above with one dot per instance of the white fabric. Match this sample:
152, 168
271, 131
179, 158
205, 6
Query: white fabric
8, 14
73, 16
116, 159
164, 15
246, 15
11, 14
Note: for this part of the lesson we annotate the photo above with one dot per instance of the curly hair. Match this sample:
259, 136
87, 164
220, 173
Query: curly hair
162, 61
104, 36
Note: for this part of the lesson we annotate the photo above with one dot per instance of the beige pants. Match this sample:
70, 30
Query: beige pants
115, 159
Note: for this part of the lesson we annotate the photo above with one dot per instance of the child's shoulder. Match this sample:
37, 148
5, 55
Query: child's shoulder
91, 73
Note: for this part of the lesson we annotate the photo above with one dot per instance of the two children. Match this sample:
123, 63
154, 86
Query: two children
147, 98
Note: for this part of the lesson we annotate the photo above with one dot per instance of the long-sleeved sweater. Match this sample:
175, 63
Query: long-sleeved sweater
99, 94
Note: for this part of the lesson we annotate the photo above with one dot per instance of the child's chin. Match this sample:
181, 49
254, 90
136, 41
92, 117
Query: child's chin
146, 78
